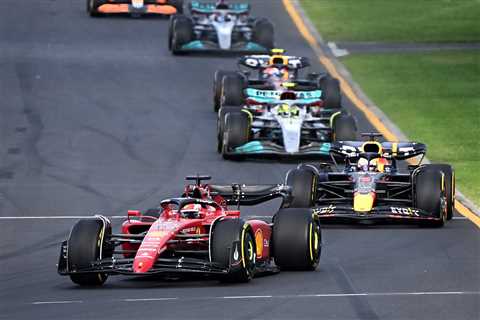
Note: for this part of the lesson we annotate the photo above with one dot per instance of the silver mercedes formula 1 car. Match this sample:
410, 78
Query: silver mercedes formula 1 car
219, 27
287, 124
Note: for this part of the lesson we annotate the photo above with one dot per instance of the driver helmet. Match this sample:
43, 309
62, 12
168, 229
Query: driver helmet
222, 5
374, 165
276, 72
362, 164
191, 211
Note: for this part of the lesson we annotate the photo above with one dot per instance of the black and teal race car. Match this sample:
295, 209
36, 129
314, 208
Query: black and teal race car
220, 27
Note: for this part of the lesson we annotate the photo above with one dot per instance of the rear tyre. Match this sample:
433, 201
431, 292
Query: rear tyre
263, 33
449, 185
296, 239
344, 128
181, 32
221, 124
331, 93
232, 90
178, 4
217, 87
92, 7
429, 186
303, 183
233, 248
86, 245
236, 132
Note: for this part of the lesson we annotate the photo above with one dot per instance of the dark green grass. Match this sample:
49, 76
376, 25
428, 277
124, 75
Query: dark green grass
396, 20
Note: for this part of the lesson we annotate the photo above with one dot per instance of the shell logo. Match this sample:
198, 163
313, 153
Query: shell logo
259, 242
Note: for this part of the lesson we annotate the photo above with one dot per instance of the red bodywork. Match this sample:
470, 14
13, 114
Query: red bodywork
174, 231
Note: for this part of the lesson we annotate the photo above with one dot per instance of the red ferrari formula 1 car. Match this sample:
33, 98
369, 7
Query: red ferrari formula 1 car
134, 7
196, 233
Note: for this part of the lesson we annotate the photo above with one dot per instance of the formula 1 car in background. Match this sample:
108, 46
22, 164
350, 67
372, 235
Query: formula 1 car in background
268, 72
219, 27
195, 233
373, 187
296, 124
134, 7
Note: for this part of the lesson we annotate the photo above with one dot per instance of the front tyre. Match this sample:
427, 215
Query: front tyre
235, 133
429, 193
86, 245
217, 87
263, 33
233, 248
331, 94
303, 184
221, 120
449, 186
92, 7
181, 33
344, 128
232, 89
178, 4
297, 239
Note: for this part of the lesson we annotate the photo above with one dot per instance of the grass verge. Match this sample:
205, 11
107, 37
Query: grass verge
433, 98
396, 21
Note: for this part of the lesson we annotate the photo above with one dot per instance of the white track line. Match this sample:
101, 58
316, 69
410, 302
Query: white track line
57, 302
149, 299
244, 297
57, 217
298, 296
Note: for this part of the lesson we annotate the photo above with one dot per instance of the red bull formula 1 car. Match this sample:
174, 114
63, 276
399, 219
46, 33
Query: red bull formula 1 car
196, 233
373, 187
135, 7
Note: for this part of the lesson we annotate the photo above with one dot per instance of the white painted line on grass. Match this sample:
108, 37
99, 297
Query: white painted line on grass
57, 302
337, 52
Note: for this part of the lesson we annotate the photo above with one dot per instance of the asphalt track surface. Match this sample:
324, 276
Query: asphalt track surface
97, 116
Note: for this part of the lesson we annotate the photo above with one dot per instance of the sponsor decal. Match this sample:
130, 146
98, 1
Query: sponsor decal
325, 210
405, 211
137, 4
236, 254
158, 234
259, 242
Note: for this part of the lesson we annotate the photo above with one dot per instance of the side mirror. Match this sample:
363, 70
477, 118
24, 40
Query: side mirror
233, 213
133, 213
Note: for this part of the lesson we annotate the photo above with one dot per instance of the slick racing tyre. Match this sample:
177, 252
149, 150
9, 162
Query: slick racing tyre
92, 7
263, 33
429, 193
232, 247
180, 33
178, 4
235, 133
232, 90
297, 239
217, 87
331, 94
304, 185
343, 128
449, 185
86, 245
221, 124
